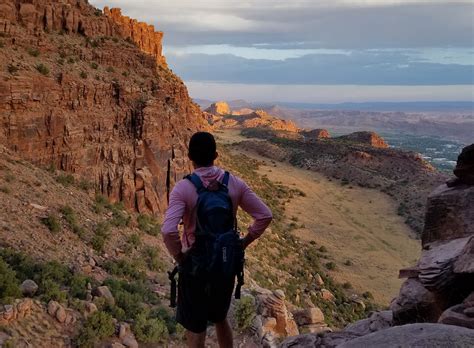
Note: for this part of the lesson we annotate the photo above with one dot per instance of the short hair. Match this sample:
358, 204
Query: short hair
202, 149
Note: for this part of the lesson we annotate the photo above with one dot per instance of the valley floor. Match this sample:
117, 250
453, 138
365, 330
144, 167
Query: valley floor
359, 227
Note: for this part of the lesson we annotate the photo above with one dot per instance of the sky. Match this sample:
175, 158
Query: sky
316, 51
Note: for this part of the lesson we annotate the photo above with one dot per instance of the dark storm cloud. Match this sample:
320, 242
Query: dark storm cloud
359, 68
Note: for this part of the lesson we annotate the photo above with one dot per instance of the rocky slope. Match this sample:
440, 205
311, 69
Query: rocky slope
90, 93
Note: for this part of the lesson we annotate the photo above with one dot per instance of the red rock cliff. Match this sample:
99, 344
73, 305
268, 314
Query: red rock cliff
77, 93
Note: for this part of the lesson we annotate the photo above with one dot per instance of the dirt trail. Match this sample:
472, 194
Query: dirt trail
360, 228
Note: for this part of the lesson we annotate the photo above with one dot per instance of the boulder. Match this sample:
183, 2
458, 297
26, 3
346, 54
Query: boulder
415, 303
219, 108
376, 322
29, 288
449, 214
89, 308
308, 316
104, 292
61, 314
53, 307
459, 315
327, 295
318, 281
130, 341
416, 335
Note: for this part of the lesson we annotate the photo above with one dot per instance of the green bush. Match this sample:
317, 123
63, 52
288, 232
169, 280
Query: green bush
148, 225
101, 203
69, 215
51, 290
323, 249
42, 69
94, 65
65, 179
78, 286
83, 75
97, 327
152, 259
110, 69
101, 235
348, 263
9, 284
34, 52
52, 222
330, 266
150, 330
125, 268
134, 240
245, 312
347, 285
119, 217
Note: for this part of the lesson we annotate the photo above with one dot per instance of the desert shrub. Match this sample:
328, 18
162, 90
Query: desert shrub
42, 69
12, 69
148, 225
69, 215
150, 330
94, 65
152, 259
85, 185
34, 52
52, 222
71, 60
347, 285
51, 290
330, 266
125, 74
323, 249
83, 75
110, 69
245, 312
100, 237
2, 44
78, 286
9, 284
119, 217
65, 179
4, 189
348, 263
134, 240
101, 203
368, 295
97, 327
125, 268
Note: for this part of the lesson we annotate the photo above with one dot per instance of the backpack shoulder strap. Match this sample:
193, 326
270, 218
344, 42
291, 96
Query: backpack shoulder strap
225, 180
194, 178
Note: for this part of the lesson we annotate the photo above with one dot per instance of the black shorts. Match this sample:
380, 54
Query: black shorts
201, 301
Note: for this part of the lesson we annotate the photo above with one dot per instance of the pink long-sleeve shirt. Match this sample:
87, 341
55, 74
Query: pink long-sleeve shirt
183, 201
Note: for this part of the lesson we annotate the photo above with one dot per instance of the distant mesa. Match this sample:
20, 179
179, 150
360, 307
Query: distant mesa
368, 138
315, 134
219, 109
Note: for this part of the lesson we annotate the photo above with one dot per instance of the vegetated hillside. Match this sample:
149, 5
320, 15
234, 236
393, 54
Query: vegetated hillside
402, 175
90, 93
55, 231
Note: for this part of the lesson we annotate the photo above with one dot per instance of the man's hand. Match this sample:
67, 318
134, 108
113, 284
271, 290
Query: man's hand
246, 241
180, 257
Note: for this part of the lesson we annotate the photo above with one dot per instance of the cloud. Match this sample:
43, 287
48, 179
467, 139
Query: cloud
314, 24
326, 93
359, 68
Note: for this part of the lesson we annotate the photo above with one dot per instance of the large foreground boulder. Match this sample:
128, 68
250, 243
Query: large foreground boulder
416, 335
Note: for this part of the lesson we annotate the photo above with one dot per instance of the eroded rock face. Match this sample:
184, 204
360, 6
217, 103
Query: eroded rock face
369, 138
219, 109
122, 124
449, 213
315, 134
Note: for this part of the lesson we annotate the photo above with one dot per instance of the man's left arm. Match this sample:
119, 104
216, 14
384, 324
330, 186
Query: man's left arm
169, 229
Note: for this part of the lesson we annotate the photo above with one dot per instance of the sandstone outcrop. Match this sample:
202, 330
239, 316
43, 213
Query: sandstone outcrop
315, 134
89, 93
219, 109
368, 138
18, 310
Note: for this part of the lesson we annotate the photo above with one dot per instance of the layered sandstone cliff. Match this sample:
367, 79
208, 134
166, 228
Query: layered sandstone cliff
89, 94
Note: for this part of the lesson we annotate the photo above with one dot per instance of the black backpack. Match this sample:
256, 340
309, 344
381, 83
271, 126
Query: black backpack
217, 252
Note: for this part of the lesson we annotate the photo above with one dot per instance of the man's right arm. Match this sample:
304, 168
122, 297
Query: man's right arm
169, 229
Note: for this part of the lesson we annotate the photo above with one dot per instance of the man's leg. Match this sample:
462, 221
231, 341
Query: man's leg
224, 334
195, 340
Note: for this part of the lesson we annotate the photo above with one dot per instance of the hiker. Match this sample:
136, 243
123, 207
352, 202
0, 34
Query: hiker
210, 251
